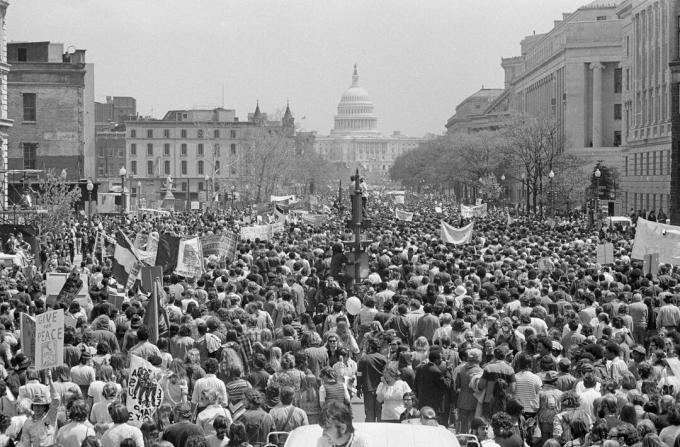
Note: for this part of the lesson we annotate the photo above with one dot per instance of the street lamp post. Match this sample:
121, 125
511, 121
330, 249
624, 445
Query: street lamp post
597, 174
503, 189
122, 173
233, 188
139, 194
551, 175
522, 195
90, 187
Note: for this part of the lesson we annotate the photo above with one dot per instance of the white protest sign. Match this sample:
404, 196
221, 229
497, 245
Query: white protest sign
144, 394
49, 339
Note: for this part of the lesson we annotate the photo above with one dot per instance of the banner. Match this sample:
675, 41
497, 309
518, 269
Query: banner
605, 253
54, 284
654, 237
452, 235
223, 246
141, 240
190, 258
147, 253
27, 335
314, 219
49, 339
134, 275
144, 393
469, 212
404, 215
281, 198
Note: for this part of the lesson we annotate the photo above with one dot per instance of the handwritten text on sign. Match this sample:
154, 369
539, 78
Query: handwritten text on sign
49, 339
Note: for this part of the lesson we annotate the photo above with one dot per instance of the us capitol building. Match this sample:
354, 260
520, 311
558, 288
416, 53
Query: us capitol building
355, 141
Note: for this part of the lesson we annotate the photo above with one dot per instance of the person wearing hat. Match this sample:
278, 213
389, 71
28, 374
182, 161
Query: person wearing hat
83, 373
130, 337
548, 404
41, 429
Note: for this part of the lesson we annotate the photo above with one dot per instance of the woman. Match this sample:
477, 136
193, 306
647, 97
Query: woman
332, 389
121, 429
175, 383
63, 383
99, 415
309, 397
411, 411
445, 329
346, 370
336, 422
74, 433
288, 375
150, 432
345, 337
390, 393
332, 347
211, 410
102, 357
104, 375
421, 351
219, 436
238, 437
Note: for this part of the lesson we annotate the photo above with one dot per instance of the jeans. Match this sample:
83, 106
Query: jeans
639, 334
372, 407
465, 418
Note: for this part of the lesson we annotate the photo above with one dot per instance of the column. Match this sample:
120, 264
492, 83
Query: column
597, 103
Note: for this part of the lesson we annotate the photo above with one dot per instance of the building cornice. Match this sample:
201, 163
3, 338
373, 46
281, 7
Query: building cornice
6, 123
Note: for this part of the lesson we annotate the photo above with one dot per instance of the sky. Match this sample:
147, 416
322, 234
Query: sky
417, 59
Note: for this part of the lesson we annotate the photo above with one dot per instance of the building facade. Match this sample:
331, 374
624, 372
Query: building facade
115, 110
471, 113
646, 173
51, 101
356, 140
5, 122
196, 154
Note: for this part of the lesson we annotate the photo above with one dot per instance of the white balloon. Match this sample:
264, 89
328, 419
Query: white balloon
353, 305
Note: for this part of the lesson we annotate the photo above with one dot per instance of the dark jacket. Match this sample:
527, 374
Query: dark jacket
430, 386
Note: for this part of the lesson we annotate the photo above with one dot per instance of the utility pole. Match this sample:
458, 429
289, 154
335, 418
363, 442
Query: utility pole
357, 216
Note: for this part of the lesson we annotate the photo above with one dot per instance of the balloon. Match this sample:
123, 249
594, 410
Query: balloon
353, 305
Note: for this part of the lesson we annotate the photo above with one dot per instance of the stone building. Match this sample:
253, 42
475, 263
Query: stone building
471, 113
646, 127
356, 141
51, 100
5, 123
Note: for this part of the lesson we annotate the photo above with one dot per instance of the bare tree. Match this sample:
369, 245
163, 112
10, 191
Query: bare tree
54, 195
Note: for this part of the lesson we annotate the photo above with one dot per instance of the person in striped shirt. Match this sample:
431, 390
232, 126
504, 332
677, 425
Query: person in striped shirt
527, 385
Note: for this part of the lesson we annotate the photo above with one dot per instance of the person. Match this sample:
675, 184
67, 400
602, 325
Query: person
411, 411
337, 429
74, 433
210, 381
211, 410
121, 429
465, 385
83, 374
504, 435
99, 414
182, 429
481, 428
332, 388
218, 437
41, 428
285, 415
369, 375
258, 423
428, 416
498, 377
390, 394
430, 385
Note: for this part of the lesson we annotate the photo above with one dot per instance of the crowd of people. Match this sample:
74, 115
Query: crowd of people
518, 337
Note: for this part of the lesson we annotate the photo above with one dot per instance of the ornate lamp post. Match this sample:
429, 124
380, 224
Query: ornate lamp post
503, 188
208, 197
90, 187
122, 173
597, 175
551, 175
139, 194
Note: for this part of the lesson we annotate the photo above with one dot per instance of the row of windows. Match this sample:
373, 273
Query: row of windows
200, 149
647, 201
183, 167
200, 133
649, 163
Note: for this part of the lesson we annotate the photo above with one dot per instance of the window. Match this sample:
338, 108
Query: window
149, 167
133, 149
30, 155
183, 150
627, 47
635, 170
183, 133
216, 133
233, 170
617, 111
149, 150
30, 112
184, 186
654, 163
184, 167
149, 133
200, 149
625, 169
166, 167
232, 148
200, 186
627, 78
647, 163
166, 149
217, 165
133, 167
166, 133
199, 133
216, 150
232, 134
617, 138
617, 80
668, 162
200, 167
22, 54
601, 17
661, 162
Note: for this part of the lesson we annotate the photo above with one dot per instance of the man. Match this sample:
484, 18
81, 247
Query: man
144, 348
481, 429
369, 374
430, 385
639, 313
285, 415
210, 381
589, 396
257, 421
616, 366
427, 324
668, 315
179, 433
465, 381
527, 385
496, 369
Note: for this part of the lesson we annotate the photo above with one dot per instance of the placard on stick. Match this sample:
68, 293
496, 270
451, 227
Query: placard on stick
49, 339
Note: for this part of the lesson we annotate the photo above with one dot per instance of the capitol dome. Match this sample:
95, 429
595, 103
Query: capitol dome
355, 111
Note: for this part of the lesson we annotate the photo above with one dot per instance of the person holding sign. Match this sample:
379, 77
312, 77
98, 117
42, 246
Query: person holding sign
40, 430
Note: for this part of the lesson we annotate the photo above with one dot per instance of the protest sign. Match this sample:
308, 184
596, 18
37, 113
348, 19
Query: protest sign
223, 246
190, 258
149, 276
605, 253
469, 212
262, 232
134, 274
56, 282
404, 215
313, 219
654, 237
27, 336
49, 339
144, 394
453, 235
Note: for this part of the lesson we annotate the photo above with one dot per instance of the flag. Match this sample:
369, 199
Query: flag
452, 235
278, 213
151, 320
124, 258
167, 252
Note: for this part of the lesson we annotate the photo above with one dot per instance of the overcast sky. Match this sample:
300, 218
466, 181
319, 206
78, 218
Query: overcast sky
416, 58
